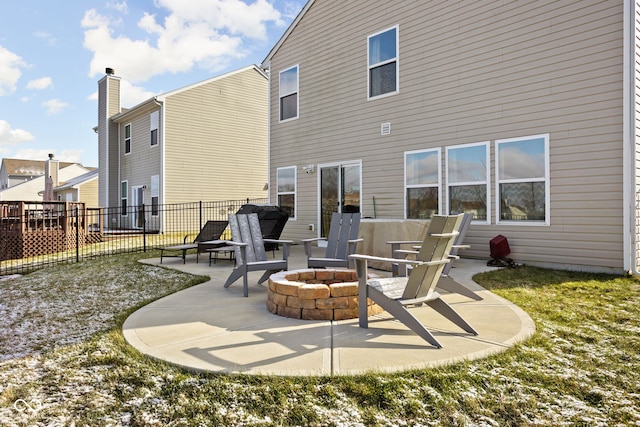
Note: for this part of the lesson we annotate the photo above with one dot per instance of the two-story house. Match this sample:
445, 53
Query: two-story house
24, 180
204, 142
522, 113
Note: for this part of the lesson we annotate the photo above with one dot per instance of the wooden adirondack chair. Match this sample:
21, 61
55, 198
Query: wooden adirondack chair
341, 242
395, 294
249, 249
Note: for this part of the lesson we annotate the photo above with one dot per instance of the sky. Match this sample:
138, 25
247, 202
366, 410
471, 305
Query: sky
52, 55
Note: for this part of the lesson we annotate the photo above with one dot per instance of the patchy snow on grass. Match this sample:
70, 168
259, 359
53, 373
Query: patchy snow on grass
63, 362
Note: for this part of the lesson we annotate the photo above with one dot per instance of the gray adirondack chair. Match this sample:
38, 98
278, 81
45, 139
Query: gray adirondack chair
446, 282
249, 250
341, 242
396, 294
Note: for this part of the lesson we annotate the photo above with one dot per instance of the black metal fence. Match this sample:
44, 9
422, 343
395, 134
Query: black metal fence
34, 235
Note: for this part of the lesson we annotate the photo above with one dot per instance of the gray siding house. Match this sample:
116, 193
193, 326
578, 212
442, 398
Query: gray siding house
204, 142
523, 113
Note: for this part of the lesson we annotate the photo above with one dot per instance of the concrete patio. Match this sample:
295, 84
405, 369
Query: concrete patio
210, 328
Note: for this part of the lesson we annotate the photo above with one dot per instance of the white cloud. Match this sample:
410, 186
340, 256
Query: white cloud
54, 106
10, 70
9, 136
119, 6
39, 84
197, 33
46, 37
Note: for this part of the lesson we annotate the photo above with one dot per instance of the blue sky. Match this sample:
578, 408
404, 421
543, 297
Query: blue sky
52, 55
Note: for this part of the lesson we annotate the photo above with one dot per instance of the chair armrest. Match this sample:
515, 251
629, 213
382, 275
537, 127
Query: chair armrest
396, 260
452, 234
404, 242
286, 246
461, 246
232, 243
404, 252
366, 258
284, 242
312, 239
360, 239
307, 244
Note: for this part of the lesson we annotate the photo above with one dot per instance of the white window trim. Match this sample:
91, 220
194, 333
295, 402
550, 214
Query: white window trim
297, 92
294, 192
439, 184
155, 191
126, 153
396, 59
154, 119
486, 144
547, 185
125, 197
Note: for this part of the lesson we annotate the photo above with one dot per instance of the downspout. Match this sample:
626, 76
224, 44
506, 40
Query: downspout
267, 71
161, 141
630, 243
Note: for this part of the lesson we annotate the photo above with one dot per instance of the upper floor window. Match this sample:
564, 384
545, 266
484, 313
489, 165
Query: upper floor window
522, 179
422, 183
286, 188
289, 93
154, 120
468, 179
127, 138
383, 63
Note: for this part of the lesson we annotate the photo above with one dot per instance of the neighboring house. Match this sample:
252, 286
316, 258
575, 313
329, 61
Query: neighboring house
204, 142
82, 188
524, 113
32, 190
17, 171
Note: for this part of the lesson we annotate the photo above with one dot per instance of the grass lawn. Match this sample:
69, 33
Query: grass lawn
64, 362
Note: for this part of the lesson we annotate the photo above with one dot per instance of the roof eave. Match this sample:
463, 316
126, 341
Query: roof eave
266, 62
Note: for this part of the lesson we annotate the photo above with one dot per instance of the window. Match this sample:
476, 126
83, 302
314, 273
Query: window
383, 63
127, 139
124, 191
286, 188
422, 183
522, 179
153, 119
468, 179
289, 93
155, 193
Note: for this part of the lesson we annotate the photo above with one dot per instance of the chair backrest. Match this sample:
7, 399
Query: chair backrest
212, 230
440, 236
464, 226
245, 228
344, 227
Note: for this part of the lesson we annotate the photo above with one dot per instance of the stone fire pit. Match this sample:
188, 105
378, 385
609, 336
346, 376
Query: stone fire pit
322, 294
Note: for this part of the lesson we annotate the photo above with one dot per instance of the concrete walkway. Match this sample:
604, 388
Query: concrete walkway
210, 328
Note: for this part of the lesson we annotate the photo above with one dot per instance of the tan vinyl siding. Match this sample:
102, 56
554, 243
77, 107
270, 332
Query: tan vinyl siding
469, 72
144, 160
89, 193
216, 140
